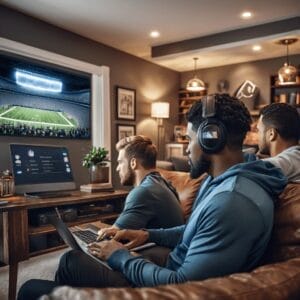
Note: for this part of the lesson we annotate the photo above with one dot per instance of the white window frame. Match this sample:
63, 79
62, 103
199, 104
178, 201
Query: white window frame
100, 100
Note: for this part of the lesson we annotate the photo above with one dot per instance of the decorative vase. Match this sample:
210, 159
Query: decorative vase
99, 174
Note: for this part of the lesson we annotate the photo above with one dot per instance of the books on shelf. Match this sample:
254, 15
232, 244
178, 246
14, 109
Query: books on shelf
97, 187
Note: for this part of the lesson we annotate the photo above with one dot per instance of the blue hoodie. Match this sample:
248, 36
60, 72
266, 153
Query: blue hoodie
228, 230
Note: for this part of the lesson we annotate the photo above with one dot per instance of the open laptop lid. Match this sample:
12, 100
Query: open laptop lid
64, 232
41, 168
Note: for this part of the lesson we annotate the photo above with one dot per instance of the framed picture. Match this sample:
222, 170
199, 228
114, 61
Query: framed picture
126, 103
125, 130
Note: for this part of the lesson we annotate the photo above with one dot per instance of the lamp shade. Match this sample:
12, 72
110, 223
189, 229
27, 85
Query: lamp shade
160, 110
287, 75
195, 85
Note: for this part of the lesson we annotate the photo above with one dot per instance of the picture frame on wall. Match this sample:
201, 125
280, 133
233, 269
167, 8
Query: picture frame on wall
126, 103
125, 130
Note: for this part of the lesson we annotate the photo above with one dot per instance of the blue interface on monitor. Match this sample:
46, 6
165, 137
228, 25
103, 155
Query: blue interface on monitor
34, 164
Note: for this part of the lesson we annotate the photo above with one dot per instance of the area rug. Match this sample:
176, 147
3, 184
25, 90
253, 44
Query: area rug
42, 267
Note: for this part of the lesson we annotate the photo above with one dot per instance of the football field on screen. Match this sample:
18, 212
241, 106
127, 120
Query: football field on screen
35, 117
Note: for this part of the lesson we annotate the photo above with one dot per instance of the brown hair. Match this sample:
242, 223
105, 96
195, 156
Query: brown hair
141, 148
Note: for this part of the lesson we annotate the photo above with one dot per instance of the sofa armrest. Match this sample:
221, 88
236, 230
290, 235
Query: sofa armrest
276, 281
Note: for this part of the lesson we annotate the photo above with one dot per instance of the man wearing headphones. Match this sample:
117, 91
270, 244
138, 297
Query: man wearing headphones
230, 224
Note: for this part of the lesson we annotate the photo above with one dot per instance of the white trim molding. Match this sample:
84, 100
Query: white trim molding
100, 102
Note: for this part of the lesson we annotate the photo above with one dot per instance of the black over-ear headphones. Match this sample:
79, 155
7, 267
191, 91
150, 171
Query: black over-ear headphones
211, 133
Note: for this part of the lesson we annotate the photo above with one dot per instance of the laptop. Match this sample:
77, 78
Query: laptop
78, 238
42, 171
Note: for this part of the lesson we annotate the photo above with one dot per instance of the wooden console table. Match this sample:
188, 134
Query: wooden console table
16, 230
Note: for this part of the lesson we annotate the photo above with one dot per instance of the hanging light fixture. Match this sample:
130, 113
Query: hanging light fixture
288, 73
195, 84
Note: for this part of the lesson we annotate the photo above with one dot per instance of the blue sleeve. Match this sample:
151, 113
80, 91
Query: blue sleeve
137, 211
218, 247
169, 237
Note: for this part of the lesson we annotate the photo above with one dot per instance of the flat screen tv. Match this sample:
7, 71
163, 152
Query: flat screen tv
38, 99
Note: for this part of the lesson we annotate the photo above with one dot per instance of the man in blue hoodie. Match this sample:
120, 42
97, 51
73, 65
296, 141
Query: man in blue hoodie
229, 227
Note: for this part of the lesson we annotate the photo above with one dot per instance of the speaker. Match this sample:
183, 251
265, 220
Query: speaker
211, 133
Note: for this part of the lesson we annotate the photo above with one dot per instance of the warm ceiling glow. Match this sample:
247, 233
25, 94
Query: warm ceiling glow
246, 15
256, 48
154, 34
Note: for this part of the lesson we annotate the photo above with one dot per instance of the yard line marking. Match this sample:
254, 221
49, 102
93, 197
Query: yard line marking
12, 108
36, 122
61, 114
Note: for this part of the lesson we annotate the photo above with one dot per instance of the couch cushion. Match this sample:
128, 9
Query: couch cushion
277, 282
180, 163
285, 241
186, 187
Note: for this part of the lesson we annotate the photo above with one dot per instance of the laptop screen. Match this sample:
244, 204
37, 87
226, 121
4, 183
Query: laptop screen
39, 168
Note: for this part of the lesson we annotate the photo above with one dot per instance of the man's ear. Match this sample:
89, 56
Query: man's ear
272, 134
133, 163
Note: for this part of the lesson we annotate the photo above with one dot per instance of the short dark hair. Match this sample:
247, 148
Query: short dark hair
231, 112
284, 118
141, 148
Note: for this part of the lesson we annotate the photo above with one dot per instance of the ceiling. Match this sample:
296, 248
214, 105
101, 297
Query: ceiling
126, 24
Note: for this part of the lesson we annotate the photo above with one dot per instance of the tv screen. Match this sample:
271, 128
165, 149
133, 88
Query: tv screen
42, 100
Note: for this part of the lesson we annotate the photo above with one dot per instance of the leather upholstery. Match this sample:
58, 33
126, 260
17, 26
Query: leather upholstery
276, 281
186, 187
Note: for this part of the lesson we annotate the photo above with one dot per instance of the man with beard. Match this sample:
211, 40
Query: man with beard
153, 202
229, 227
278, 137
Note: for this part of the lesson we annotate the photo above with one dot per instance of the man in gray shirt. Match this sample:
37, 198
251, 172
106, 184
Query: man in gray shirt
278, 137
153, 202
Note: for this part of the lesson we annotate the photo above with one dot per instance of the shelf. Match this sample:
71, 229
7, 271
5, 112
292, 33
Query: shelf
290, 86
38, 230
47, 250
195, 98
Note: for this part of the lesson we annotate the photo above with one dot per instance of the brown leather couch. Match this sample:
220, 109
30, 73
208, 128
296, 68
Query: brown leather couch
277, 278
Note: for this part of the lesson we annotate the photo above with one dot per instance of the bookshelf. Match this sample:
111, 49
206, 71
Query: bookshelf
285, 93
186, 100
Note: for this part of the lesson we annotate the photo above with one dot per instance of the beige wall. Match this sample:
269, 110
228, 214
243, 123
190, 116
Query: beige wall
151, 82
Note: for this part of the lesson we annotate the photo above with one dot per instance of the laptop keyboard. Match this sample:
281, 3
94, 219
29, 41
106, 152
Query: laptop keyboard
86, 236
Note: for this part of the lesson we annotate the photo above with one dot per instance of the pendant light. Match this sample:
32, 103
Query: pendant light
195, 84
288, 73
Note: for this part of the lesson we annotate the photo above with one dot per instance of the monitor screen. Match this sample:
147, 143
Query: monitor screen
39, 168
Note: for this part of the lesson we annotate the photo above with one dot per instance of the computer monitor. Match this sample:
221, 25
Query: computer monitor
38, 168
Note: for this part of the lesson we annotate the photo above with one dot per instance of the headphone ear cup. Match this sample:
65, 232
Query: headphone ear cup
211, 136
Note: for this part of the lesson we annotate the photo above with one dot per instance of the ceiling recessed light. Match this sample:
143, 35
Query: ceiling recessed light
154, 34
246, 15
256, 48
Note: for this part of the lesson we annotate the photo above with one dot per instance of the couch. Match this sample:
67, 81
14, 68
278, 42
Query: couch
278, 277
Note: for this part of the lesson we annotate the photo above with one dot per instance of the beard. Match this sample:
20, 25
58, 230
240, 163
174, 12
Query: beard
201, 166
263, 148
129, 177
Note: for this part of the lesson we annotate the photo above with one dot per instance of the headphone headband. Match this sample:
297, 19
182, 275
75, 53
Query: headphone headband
211, 132
209, 106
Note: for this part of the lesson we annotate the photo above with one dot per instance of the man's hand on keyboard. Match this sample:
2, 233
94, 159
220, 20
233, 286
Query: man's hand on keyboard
133, 238
104, 249
107, 233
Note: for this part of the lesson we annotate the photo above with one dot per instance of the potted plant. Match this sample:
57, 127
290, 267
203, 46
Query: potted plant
96, 161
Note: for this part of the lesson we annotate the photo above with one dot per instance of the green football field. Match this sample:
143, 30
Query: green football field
34, 117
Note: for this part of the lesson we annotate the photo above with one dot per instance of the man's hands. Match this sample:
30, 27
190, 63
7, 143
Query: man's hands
134, 238
130, 239
104, 249
107, 233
